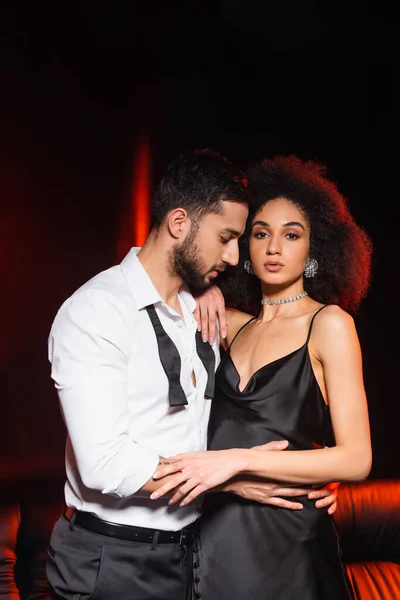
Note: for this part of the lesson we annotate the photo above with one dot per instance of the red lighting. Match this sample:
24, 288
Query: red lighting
135, 217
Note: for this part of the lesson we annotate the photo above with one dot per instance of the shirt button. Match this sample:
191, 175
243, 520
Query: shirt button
180, 325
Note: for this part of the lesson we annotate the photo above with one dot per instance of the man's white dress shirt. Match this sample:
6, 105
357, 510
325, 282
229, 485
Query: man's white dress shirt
113, 394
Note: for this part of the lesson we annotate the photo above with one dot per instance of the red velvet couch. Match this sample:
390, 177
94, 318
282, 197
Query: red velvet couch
367, 521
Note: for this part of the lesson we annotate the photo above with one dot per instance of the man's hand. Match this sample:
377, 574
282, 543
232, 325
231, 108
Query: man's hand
210, 306
275, 494
326, 496
266, 492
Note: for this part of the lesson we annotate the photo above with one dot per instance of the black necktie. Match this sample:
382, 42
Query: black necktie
207, 357
171, 361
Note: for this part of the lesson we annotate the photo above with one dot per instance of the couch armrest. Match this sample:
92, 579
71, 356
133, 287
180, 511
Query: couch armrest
9, 524
367, 520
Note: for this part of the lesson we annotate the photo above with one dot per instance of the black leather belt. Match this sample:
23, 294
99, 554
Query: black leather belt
130, 533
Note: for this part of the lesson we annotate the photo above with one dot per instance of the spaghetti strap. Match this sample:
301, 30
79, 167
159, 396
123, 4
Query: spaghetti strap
312, 321
239, 330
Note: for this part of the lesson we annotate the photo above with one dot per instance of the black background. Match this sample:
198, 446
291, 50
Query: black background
78, 88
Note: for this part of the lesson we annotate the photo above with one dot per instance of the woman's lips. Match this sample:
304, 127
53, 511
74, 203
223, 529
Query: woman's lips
273, 267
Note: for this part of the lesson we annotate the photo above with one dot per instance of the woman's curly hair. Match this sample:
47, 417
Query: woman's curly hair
341, 247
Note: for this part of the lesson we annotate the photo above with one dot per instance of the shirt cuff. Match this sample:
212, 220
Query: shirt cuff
146, 462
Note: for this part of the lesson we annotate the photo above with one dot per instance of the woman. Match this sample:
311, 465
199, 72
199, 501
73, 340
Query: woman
292, 372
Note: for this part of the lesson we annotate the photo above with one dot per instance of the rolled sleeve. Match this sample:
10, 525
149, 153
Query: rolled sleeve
89, 349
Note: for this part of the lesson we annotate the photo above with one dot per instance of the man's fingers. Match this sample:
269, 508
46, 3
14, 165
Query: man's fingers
284, 503
324, 493
277, 445
332, 508
290, 492
327, 503
274, 445
331, 489
323, 502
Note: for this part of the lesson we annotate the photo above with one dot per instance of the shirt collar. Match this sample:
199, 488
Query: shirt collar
142, 287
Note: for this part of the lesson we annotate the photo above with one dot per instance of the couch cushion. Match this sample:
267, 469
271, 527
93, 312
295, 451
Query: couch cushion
375, 580
368, 520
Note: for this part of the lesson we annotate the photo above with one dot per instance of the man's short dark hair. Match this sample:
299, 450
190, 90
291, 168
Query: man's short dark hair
198, 181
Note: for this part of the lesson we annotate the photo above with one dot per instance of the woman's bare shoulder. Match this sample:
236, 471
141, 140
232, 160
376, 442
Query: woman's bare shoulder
333, 319
333, 326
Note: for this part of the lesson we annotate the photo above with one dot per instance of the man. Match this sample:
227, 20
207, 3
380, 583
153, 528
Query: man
135, 383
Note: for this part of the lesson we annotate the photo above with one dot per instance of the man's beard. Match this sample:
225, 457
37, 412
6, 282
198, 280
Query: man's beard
187, 264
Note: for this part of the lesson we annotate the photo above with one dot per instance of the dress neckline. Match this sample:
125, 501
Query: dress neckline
272, 362
276, 360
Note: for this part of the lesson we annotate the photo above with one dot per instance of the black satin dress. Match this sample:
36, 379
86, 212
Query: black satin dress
250, 551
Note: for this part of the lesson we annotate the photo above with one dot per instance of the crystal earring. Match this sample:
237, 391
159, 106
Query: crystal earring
311, 268
247, 267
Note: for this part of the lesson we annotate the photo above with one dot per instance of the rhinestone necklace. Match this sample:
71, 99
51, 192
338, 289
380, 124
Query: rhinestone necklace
285, 300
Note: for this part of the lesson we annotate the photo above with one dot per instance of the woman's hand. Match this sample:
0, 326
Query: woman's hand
198, 472
210, 307
194, 473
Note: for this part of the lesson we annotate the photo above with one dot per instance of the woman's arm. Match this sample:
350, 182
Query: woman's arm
336, 347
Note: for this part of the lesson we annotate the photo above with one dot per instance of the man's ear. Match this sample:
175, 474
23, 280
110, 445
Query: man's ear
178, 223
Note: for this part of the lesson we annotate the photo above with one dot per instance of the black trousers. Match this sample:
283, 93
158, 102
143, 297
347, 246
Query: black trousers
86, 566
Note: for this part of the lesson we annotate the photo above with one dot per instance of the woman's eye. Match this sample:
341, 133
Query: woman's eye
293, 236
260, 234
224, 240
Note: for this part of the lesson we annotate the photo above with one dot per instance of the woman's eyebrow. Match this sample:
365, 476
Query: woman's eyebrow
289, 224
